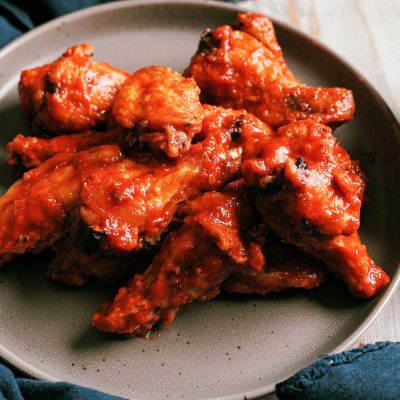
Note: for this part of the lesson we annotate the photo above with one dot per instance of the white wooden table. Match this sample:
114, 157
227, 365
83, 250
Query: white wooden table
366, 33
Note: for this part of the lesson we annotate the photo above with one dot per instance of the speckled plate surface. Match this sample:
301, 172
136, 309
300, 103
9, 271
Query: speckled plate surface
228, 348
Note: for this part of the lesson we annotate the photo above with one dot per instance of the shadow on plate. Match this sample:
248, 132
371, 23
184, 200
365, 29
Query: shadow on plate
90, 338
12, 122
333, 294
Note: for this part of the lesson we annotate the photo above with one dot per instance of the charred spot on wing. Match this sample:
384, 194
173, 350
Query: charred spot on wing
272, 184
18, 164
301, 164
92, 241
198, 137
308, 228
50, 87
237, 26
207, 42
297, 103
235, 131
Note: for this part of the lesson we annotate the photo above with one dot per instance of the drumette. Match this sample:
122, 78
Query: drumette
242, 66
309, 191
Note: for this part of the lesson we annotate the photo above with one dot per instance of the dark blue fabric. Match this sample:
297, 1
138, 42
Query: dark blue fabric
371, 372
19, 16
12, 388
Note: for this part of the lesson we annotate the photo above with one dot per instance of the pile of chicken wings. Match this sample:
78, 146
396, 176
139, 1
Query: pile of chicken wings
226, 178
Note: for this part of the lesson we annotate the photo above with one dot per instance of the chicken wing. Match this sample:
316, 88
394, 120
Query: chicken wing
304, 169
30, 151
243, 67
72, 94
130, 204
191, 265
285, 267
309, 192
35, 210
159, 108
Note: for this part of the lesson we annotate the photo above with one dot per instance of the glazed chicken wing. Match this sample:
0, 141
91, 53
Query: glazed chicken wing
30, 151
303, 168
130, 204
191, 265
309, 192
72, 94
243, 67
35, 210
188, 268
159, 108
285, 267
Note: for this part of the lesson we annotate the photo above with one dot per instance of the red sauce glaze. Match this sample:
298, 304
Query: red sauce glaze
159, 108
190, 266
310, 192
34, 211
72, 94
243, 67
133, 201
31, 151
318, 183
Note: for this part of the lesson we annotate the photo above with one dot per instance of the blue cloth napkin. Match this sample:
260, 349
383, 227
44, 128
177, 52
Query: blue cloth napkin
12, 388
19, 16
370, 372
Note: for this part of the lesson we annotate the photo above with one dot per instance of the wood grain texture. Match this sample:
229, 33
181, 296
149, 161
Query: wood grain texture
366, 33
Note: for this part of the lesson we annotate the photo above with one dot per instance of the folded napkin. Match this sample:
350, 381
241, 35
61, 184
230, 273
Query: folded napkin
19, 16
371, 372
12, 388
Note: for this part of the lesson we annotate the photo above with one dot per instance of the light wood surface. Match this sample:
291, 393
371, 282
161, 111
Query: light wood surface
366, 33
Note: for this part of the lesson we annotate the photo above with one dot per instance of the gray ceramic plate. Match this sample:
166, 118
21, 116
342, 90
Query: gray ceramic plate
228, 348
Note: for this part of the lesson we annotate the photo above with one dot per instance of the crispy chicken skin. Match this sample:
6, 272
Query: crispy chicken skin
309, 192
242, 67
131, 203
35, 209
72, 94
285, 267
190, 266
159, 108
30, 151
303, 168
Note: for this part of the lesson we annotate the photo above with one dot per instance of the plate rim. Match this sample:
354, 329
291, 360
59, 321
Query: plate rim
17, 362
